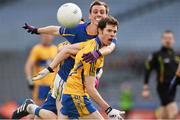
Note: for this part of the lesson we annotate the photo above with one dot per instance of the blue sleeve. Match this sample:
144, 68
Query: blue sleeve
114, 41
68, 33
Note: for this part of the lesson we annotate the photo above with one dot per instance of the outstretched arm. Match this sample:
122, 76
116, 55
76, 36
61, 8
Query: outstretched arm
93, 56
106, 50
53, 30
65, 52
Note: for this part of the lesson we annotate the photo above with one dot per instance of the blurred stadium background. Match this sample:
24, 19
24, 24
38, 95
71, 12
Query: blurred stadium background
141, 25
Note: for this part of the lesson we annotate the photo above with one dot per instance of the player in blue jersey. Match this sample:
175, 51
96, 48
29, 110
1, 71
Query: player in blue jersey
84, 31
78, 34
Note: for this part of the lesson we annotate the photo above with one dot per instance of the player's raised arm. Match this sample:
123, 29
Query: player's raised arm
106, 50
53, 30
65, 52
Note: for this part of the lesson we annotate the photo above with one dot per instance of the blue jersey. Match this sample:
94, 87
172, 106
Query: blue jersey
73, 35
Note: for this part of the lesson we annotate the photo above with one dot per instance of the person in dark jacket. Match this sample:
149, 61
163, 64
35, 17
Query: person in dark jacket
165, 63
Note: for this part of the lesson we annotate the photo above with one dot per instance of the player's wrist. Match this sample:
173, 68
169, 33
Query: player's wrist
99, 53
36, 31
29, 79
145, 87
108, 110
50, 69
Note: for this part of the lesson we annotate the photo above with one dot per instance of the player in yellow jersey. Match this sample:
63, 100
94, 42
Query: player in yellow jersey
49, 108
81, 80
40, 56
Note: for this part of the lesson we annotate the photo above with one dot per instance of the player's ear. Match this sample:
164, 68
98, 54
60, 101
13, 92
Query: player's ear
100, 31
90, 16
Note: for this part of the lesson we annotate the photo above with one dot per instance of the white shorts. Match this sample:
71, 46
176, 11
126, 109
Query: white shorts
58, 87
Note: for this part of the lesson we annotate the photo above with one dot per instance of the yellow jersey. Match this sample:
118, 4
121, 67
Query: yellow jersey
43, 55
75, 82
55, 83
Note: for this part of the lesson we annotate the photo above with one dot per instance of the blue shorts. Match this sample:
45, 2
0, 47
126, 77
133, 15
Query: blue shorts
75, 106
43, 92
49, 104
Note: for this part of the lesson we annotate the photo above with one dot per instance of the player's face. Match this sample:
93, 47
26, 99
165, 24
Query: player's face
108, 34
97, 13
168, 40
46, 39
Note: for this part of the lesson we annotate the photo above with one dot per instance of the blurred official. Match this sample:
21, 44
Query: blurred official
165, 63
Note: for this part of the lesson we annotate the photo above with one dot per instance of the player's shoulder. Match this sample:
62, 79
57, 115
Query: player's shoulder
157, 53
37, 47
63, 43
153, 55
82, 26
90, 43
53, 46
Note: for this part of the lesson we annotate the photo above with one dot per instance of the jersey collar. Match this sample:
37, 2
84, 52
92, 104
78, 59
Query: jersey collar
86, 24
98, 41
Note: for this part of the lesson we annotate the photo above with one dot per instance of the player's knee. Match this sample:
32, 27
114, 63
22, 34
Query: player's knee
172, 114
162, 113
36, 118
172, 110
37, 112
46, 114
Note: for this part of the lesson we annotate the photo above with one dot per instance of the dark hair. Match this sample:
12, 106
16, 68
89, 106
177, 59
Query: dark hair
82, 19
107, 21
97, 2
167, 32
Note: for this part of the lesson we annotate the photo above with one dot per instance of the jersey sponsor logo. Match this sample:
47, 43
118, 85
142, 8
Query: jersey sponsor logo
149, 58
166, 60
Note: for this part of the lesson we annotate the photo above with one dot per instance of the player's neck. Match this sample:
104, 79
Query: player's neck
100, 39
45, 45
91, 29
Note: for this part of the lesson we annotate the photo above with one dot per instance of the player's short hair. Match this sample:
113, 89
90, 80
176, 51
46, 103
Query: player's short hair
82, 19
167, 32
97, 2
107, 21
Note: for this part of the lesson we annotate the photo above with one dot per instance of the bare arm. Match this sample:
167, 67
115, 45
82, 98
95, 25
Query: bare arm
106, 50
99, 74
65, 52
53, 30
94, 94
178, 71
28, 69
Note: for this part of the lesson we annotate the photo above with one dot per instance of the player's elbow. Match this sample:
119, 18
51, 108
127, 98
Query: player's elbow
66, 52
111, 47
90, 89
108, 49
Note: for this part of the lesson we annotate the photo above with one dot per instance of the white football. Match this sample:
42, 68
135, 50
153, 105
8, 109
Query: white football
69, 15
